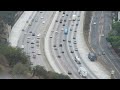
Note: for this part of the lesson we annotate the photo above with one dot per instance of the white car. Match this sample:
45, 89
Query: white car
41, 17
43, 22
62, 29
22, 46
94, 23
82, 71
56, 31
28, 37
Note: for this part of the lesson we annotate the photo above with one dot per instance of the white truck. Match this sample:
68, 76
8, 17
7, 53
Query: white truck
74, 17
82, 71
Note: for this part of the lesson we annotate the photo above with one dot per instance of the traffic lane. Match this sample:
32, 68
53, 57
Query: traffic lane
58, 42
37, 29
95, 29
52, 40
22, 36
66, 53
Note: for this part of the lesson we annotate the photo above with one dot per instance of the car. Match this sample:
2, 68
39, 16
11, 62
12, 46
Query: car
76, 49
56, 20
74, 38
36, 20
70, 29
72, 51
32, 46
34, 56
77, 24
75, 42
69, 19
63, 24
33, 52
61, 21
30, 32
32, 42
78, 19
37, 41
37, 45
72, 24
59, 56
50, 36
63, 15
64, 20
27, 41
56, 31
102, 35
78, 62
28, 37
103, 52
38, 53
40, 12
32, 20
94, 23
60, 45
55, 49
92, 56
23, 30
66, 14
75, 31
79, 16
69, 41
33, 34
64, 40
43, 22
54, 46
22, 46
62, 52
38, 37
62, 29
69, 73
41, 17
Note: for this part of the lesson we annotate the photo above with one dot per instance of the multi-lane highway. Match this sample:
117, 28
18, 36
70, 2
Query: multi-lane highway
100, 26
33, 38
63, 47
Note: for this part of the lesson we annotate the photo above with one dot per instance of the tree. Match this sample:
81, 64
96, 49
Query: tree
20, 69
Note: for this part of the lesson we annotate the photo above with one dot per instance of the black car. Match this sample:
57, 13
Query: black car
62, 52
92, 56
60, 45
72, 51
54, 46
69, 73
59, 56
33, 34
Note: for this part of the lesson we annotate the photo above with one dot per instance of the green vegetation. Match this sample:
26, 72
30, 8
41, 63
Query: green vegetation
8, 16
20, 65
114, 36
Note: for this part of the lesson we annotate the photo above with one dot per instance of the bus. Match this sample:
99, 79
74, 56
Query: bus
65, 31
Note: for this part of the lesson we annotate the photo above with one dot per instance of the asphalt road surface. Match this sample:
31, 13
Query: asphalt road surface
99, 44
39, 26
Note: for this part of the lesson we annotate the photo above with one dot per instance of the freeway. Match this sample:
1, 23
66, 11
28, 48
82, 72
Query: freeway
33, 38
62, 55
98, 34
